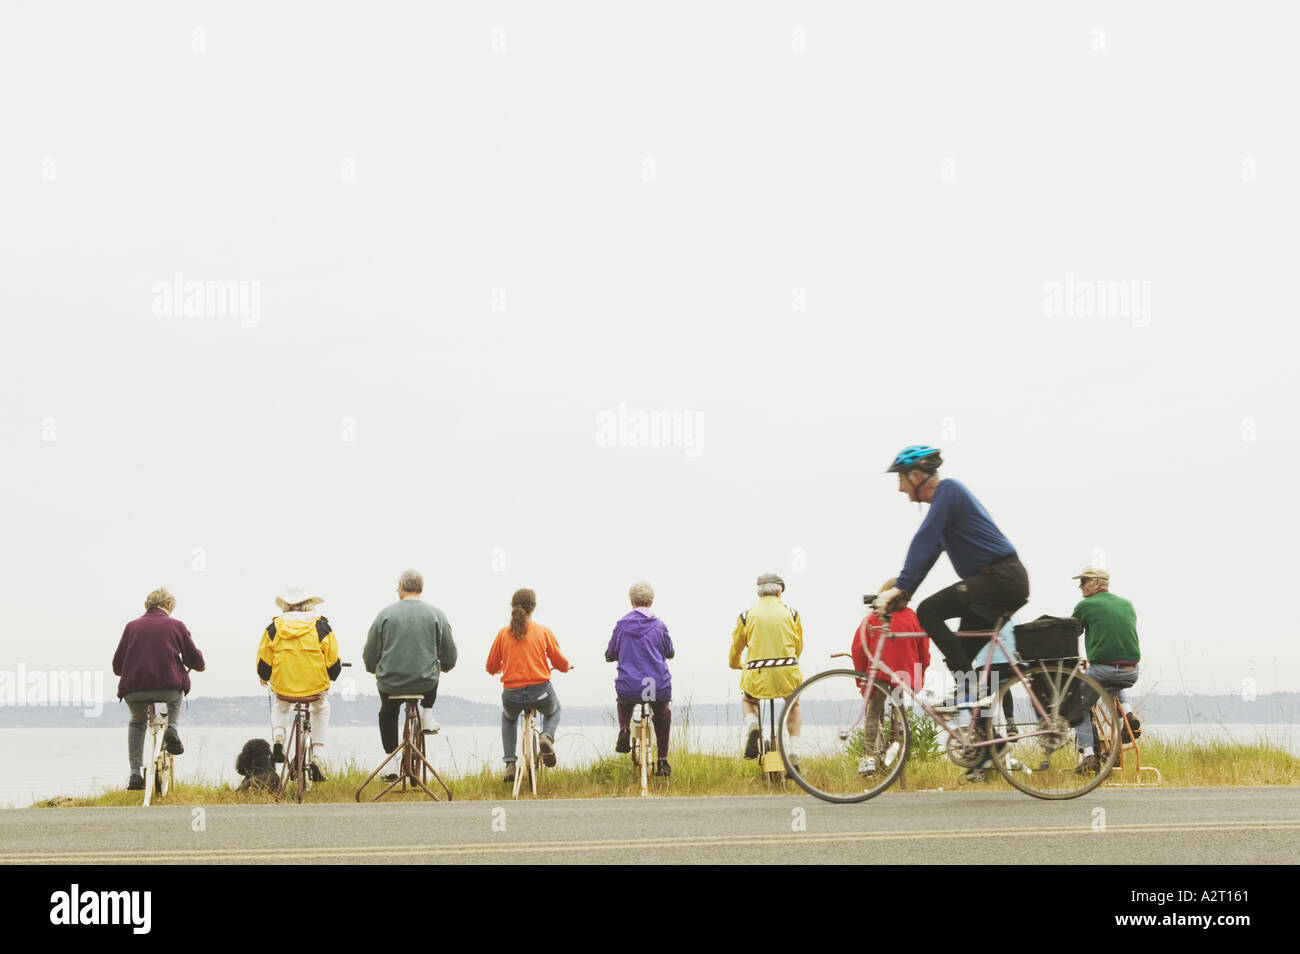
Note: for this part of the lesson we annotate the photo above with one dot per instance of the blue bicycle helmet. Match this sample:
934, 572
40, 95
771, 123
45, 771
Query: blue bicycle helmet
916, 457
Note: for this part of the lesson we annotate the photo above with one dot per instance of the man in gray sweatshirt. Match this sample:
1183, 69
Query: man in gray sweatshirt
408, 646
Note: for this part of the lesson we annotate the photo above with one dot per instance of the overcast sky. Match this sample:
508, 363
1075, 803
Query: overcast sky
474, 246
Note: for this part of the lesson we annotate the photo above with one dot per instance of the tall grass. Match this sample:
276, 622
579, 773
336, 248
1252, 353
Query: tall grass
1205, 761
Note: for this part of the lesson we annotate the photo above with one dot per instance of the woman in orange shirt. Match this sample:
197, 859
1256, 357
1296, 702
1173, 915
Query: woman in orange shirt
524, 653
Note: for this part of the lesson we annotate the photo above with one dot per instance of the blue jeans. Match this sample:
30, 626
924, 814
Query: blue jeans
1112, 678
541, 697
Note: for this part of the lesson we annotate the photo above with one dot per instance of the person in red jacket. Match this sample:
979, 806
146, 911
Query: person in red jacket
908, 658
152, 658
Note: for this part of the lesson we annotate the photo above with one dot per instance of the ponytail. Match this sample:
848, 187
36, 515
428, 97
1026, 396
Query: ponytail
522, 605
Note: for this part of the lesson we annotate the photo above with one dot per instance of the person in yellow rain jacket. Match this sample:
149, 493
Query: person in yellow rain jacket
773, 636
299, 658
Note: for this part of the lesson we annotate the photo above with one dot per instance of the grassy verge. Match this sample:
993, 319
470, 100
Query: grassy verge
1182, 764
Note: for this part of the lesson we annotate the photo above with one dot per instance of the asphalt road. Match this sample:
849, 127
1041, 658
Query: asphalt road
1150, 826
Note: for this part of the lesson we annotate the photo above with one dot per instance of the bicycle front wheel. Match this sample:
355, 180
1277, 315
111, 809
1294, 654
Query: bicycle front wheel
1043, 756
849, 748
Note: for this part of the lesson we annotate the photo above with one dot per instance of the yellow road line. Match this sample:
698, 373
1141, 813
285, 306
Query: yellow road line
621, 844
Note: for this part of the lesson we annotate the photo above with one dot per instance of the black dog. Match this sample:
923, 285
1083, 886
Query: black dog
254, 763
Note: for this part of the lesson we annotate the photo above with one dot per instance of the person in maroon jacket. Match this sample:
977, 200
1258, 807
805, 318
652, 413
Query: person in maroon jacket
152, 658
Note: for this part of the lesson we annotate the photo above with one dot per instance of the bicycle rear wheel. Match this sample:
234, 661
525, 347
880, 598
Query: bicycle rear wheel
645, 745
413, 737
419, 769
1108, 730
524, 761
167, 773
1047, 761
151, 761
300, 767
536, 769
634, 751
831, 753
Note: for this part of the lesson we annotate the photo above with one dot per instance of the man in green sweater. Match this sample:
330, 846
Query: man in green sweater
408, 646
1111, 642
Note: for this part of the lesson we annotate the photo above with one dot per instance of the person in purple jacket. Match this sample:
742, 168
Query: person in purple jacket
641, 645
152, 658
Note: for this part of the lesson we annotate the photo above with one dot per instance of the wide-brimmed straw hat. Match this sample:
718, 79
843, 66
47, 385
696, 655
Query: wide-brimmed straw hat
295, 595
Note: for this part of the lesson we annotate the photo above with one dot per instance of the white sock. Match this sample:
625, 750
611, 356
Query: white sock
1087, 751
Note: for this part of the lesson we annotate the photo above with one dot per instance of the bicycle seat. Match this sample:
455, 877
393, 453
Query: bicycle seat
315, 698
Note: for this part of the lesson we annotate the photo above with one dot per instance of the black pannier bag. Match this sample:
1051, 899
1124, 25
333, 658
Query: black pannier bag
1055, 641
1049, 637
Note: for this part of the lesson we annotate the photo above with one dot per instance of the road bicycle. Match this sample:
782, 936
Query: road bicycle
1122, 737
297, 749
413, 765
644, 751
529, 761
160, 765
856, 735
298, 766
771, 755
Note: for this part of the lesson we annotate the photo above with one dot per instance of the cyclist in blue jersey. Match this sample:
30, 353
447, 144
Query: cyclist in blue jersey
993, 580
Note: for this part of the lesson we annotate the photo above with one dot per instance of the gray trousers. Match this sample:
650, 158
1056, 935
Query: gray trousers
140, 705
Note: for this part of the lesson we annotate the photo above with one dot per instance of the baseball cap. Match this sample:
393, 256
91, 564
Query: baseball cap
1092, 573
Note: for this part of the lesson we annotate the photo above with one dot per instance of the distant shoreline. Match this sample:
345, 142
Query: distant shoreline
1193, 709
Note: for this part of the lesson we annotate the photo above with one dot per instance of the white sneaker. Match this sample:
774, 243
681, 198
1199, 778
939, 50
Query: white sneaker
867, 766
428, 723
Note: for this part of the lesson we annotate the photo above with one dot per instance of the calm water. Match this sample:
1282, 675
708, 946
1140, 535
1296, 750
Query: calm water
41, 763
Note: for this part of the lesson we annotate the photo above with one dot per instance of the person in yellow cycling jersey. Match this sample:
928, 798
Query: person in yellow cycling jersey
299, 658
770, 637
